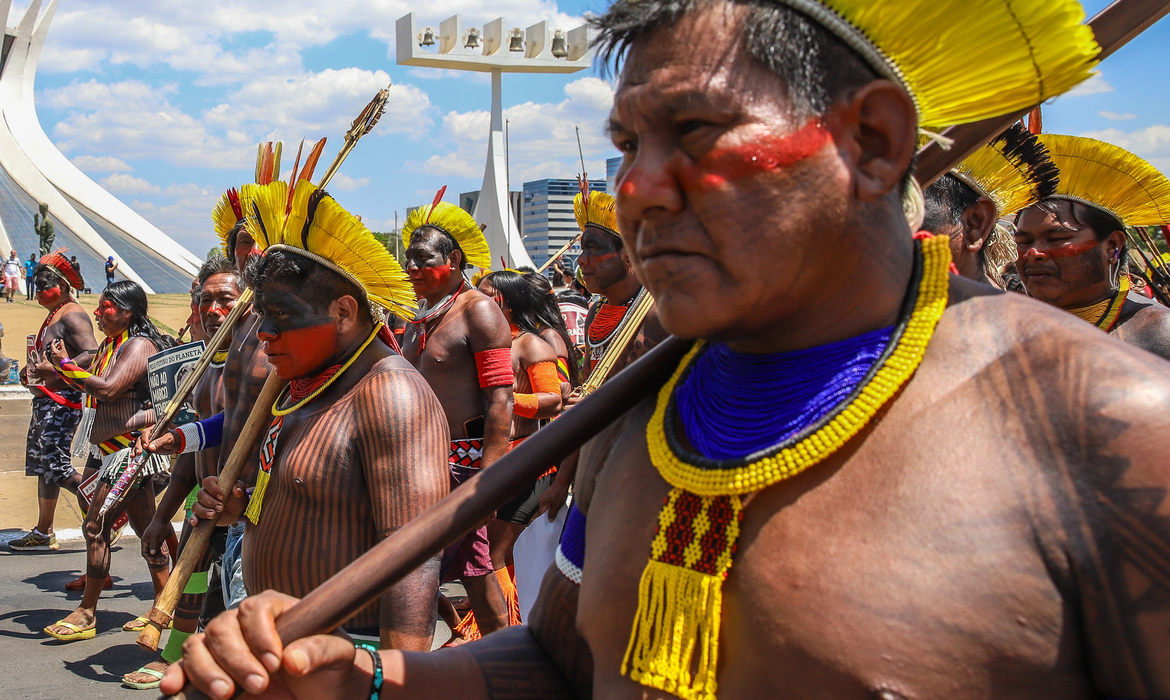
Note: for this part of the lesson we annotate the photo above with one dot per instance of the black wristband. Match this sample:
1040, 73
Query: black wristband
376, 685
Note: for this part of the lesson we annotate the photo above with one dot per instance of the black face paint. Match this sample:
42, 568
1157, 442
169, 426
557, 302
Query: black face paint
283, 311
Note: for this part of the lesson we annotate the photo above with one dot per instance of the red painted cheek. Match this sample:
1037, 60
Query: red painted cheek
427, 278
49, 297
1071, 250
768, 154
301, 352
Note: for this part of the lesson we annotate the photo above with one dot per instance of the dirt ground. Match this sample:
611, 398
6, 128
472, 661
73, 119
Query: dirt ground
23, 318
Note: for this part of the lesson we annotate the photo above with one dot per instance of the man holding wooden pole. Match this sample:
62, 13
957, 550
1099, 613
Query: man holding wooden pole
819, 503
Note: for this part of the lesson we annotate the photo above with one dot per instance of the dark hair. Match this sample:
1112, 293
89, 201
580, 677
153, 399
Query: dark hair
815, 66
529, 310
43, 272
310, 280
946, 200
549, 315
217, 264
445, 245
128, 296
232, 236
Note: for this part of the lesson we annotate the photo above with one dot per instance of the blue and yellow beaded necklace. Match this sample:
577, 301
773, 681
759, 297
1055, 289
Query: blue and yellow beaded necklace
674, 642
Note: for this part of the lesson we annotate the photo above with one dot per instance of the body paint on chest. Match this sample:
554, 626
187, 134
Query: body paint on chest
766, 154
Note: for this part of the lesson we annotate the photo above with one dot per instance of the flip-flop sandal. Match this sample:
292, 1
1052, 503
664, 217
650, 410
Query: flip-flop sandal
149, 685
76, 635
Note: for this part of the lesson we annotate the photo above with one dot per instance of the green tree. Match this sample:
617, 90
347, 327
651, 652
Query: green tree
213, 252
393, 243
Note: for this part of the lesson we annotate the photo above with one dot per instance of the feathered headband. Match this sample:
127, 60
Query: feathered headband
596, 209
232, 208
1027, 50
318, 228
455, 222
60, 265
1013, 171
1109, 178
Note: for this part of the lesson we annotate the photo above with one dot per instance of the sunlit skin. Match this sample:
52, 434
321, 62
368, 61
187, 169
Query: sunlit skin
217, 297
922, 559
432, 274
676, 127
968, 238
110, 319
1061, 261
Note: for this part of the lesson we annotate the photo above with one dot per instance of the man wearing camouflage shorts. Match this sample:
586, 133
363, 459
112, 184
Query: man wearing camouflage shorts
56, 407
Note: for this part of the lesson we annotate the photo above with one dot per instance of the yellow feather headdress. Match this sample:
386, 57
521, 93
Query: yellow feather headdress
1109, 178
318, 228
1013, 171
1023, 52
457, 223
596, 209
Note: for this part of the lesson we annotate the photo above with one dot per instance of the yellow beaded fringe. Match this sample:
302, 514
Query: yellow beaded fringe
928, 309
680, 595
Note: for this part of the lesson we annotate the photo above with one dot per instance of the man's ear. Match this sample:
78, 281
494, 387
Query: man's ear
978, 223
875, 128
347, 312
455, 260
1114, 244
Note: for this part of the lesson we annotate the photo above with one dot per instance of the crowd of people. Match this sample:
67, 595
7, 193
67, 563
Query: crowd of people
912, 446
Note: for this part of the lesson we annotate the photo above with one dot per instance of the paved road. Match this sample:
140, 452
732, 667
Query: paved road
32, 597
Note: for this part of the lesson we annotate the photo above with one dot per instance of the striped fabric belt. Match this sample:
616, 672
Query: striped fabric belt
116, 443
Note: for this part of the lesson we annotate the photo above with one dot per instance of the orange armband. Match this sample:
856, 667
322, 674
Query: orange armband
525, 405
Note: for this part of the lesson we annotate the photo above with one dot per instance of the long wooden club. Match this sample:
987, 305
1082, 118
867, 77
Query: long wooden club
162, 612
444, 523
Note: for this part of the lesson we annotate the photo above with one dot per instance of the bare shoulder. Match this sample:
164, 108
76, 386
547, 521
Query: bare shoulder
1146, 325
486, 326
393, 378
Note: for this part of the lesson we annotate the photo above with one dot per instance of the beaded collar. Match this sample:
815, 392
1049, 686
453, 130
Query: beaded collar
1104, 314
674, 642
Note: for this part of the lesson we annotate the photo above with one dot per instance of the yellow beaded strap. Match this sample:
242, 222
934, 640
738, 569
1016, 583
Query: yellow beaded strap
1104, 314
674, 643
281, 412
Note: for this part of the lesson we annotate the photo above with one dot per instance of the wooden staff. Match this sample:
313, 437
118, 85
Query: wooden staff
360, 127
557, 256
447, 521
625, 332
463, 509
1112, 27
162, 612
213, 346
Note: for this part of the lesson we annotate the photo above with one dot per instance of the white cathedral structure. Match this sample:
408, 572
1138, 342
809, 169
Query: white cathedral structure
89, 221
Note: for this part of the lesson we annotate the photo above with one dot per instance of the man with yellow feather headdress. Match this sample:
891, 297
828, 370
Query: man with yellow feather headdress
1072, 246
607, 270
461, 343
354, 448
967, 204
794, 514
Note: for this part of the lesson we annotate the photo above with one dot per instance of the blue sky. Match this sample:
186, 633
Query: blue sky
163, 101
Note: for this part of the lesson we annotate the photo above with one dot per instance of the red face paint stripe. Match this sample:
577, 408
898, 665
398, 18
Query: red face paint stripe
764, 155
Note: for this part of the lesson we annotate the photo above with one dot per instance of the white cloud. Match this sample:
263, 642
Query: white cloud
345, 183
135, 120
1115, 117
121, 183
1096, 84
1151, 143
319, 104
102, 164
543, 141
